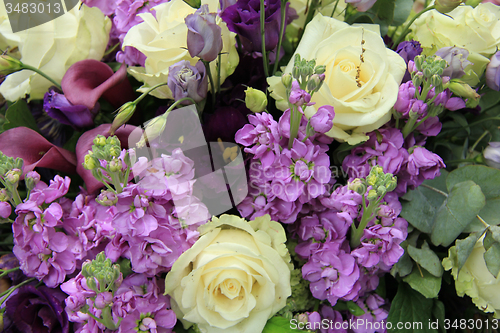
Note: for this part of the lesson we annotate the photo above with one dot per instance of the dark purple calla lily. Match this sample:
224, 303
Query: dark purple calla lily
36, 151
87, 80
85, 143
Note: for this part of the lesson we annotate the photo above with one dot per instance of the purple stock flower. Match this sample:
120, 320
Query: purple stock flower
321, 121
38, 310
373, 316
243, 18
424, 164
384, 148
456, 57
204, 38
362, 5
106, 6
493, 72
5, 209
58, 107
185, 80
298, 96
430, 127
333, 274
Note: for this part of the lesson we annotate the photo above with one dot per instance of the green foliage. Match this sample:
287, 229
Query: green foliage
278, 325
409, 306
18, 114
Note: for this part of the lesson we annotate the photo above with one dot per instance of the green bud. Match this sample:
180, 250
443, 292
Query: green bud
315, 82
154, 128
437, 83
90, 162
417, 79
419, 60
391, 185
9, 65
446, 6
473, 3
114, 151
113, 140
100, 140
381, 190
321, 69
13, 175
193, 3
125, 112
4, 195
372, 195
107, 198
462, 89
427, 72
255, 100
296, 72
371, 179
357, 186
287, 80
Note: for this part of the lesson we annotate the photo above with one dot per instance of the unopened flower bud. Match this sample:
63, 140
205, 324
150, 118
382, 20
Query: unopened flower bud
114, 151
417, 79
107, 198
4, 195
12, 176
493, 72
462, 89
391, 185
31, 179
372, 195
357, 186
115, 165
113, 140
381, 190
100, 140
125, 112
315, 82
154, 128
419, 61
204, 39
90, 162
446, 6
287, 79
9, 65
255, 100
492, 155
321, 69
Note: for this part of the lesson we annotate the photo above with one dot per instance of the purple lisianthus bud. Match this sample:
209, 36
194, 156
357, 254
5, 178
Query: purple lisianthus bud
38, 310
408, 50
58, 107
492, 155
204, 39
5, 209
185, 80
362, 5
243, 18
493, 72
321, 121
456, 57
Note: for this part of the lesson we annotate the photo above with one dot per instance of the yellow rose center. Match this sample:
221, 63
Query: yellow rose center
230, 288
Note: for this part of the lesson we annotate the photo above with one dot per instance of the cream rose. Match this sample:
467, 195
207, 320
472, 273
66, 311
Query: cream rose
474, 279
475, 29
163, 40
234, 278
361, 91
53, 47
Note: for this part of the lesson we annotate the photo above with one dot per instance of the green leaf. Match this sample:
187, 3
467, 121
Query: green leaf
278, 325
492, 259
489, 181
424, 282
355, 309
18, 114
409, 306
464, 202
403, 267
460, 119
438, 312
427, 259
402, 10
464, 248
420, 205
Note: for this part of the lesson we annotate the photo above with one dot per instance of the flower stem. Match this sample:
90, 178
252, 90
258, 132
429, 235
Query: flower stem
144, 94
9, 291
407, 27
263, 36
211, 79
36, 70
5, 272
294, 124
280, 39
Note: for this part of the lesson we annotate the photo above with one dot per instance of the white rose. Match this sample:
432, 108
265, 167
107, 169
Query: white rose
474, 279
475, 29
362, 99
163, 40
53, 47
234, 278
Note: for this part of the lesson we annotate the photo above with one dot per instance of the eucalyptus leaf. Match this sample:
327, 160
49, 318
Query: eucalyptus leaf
492, 259
409, 306
464, 248
426, 258
424, 282
355, 309
464, 202
403, 267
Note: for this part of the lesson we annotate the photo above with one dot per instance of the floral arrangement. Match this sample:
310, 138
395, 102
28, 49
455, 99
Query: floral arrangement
248, 166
